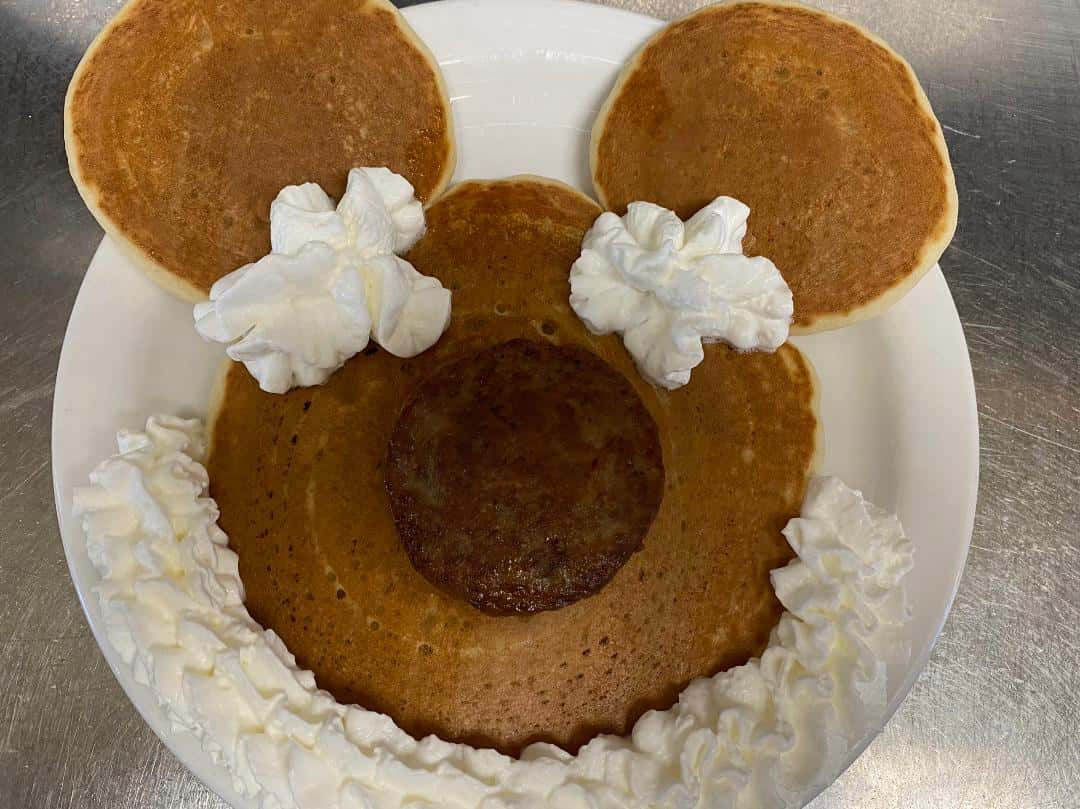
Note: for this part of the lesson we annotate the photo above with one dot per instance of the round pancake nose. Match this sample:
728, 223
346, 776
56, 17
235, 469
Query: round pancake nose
523, 477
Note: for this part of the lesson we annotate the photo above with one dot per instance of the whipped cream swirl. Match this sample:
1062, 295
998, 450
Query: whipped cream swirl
766, 734
331, 283
667, 286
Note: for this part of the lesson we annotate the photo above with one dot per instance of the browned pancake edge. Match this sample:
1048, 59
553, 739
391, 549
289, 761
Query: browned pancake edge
868, 265
299, 479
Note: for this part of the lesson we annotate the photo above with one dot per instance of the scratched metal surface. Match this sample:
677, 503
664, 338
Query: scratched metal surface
994, 721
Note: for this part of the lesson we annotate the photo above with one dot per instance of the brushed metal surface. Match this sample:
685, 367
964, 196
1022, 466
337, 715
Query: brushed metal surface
994, 721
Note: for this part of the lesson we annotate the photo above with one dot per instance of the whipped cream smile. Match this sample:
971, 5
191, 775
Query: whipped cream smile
766, 734
332, 282
667, 286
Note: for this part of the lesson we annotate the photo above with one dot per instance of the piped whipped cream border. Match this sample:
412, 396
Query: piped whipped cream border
769, 733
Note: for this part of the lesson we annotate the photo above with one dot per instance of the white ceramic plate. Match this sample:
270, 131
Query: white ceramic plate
526, 78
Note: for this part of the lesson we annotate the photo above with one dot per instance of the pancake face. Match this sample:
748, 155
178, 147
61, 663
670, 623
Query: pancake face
523, 477
300, 482
186, 117
817, 126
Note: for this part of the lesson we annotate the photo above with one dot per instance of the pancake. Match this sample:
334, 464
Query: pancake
186, 117
300, 482
811, 121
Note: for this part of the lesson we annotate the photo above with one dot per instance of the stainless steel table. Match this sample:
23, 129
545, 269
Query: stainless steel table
993, 723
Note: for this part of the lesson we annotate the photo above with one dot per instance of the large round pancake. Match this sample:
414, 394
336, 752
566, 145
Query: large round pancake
300, 482
186, 117
811, 121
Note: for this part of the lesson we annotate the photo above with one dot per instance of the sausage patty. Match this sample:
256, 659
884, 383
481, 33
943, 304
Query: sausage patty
523, 477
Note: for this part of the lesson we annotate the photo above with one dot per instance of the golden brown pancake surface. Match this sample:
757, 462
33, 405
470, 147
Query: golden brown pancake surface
187, 117
816, 125
300, 482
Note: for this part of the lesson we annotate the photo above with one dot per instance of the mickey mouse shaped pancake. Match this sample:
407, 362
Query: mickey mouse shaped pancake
467, 476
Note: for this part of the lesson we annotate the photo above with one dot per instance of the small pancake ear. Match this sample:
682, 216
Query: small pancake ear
814, 123
180, 135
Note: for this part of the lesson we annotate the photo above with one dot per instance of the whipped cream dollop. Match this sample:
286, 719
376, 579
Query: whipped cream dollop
766, 734
667, 286
331, 283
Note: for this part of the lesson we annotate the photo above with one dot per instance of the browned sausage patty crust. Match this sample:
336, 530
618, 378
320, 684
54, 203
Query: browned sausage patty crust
521, 478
